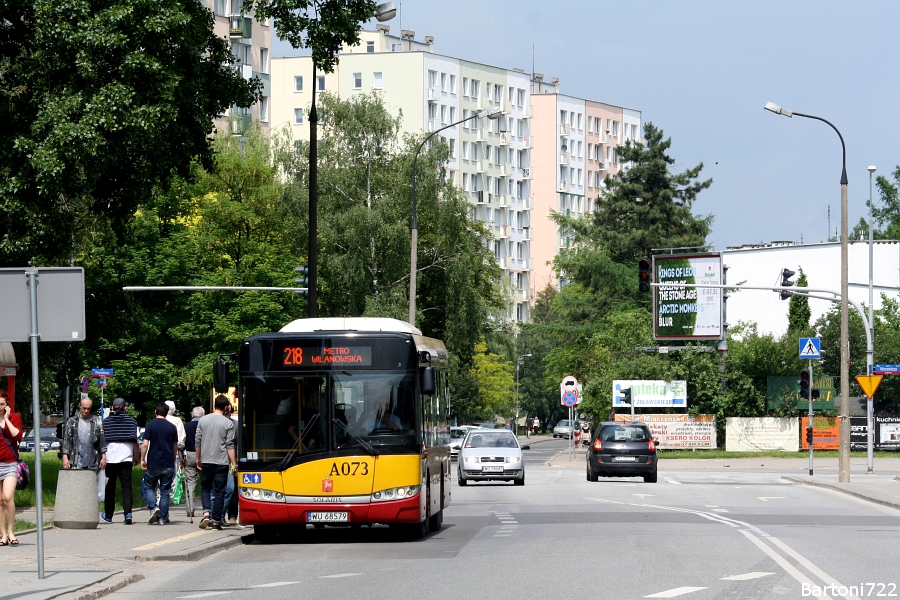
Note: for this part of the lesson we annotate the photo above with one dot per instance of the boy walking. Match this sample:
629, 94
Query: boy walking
158, 454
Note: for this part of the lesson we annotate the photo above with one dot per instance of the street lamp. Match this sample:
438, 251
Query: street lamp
383, 12
519, 360
870, 422
493, 114
844, 451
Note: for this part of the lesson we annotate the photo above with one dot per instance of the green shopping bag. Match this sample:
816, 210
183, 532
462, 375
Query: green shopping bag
178, 493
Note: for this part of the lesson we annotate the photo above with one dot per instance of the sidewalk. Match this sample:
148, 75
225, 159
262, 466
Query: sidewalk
107, 558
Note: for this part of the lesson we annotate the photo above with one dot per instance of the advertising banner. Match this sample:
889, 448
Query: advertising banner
687, 313
675, 432
787, 389
887, 433
745, 434
646, 393
826, 433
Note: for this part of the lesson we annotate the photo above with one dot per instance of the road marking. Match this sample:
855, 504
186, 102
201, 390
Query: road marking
828, 579
276, 584
720, 510
340, 575
205, 594
645, 495
711, 505
784, 564
186, 536
767, 498
679, 591
672, 481
747, 576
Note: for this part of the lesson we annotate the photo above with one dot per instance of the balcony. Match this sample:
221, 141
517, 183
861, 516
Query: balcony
529, 265
505, 138
564, 186
527, 142
240, 123
433, 94
480, 166
479, 197
481, 103
240, 27
602, 166
527, 173
503, 232
503, 201
521, 295
505, 169
528, 203
526, 234
527, 111
502, 262
481, 134
565, 158
564, 129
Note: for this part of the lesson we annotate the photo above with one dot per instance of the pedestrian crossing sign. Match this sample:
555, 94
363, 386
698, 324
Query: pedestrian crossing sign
810, 348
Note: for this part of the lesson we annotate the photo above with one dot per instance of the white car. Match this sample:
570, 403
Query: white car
457, 435
491, 455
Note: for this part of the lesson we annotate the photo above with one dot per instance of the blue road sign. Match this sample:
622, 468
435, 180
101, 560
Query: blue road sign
570, 399
102, 382
886, 369
101, 373
811, 348
85, 382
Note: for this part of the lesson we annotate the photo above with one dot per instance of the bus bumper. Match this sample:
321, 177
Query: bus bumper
408, 510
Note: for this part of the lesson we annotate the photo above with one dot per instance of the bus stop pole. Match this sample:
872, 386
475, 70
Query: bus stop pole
36, 412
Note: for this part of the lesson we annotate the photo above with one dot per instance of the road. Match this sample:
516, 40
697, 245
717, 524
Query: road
698, 534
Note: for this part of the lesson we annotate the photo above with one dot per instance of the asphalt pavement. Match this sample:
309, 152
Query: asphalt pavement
708, 529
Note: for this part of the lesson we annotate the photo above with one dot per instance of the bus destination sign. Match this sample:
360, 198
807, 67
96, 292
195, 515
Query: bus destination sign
305, 356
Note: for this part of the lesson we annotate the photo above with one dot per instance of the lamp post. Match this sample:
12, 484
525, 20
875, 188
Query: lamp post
519, 360
844, 450
870, 421
383, 12
493, 113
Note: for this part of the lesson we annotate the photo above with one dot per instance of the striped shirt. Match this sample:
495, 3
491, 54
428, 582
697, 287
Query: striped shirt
119, 427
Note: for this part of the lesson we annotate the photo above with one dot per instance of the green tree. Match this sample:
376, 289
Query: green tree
103, 104
495, 382
798, 310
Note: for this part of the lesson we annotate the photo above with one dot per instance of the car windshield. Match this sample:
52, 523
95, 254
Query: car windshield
491, 440
564, 423
624, 433
456, 434
45, 432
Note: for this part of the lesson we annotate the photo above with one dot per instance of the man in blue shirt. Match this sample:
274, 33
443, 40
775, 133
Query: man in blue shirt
158, 452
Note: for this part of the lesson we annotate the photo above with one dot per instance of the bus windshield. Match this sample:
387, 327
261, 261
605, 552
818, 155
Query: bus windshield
314, 416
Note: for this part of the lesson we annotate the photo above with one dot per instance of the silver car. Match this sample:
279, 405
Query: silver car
491, 455
457, 435
563, 429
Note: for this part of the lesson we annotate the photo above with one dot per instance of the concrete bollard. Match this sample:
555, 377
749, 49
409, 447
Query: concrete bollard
76, 500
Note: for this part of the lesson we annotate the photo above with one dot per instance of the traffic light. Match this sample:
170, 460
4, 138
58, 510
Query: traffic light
626, 396
303, 280
815, 393
786, 275
644, 276
804, 384
809, 435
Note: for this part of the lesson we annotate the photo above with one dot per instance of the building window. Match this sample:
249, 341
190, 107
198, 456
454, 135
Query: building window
476, 85
498, 93
321, 80
298, 84
465, 150
579, 121
263, 60
357, 81
377, 83
453, 84
220, 7
443, 82
298, 116
264, 109
452, 143
521, 101
453, 114
443, 114
465, 181
370, 47
465, 86
432, 78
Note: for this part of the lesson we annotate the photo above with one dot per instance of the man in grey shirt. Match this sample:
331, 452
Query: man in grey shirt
216, 457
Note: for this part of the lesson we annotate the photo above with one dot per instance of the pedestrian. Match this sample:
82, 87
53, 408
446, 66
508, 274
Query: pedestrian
529, 423
11, 431
179, 426
84, 444
190, 459
158, 452
546, 424
537, 424
230, 506
214, 444
585, 433
120, 431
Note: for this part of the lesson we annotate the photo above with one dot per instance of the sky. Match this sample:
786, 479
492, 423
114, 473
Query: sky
702, 72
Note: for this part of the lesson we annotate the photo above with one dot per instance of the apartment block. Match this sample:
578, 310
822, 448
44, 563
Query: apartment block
548, 152
250, 42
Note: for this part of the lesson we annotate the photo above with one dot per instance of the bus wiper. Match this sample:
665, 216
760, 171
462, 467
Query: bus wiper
306, 431
368, 447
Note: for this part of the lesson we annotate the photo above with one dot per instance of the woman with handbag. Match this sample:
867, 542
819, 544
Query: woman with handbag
11, 432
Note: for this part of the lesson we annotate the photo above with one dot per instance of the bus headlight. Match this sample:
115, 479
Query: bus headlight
397, 493
261, 495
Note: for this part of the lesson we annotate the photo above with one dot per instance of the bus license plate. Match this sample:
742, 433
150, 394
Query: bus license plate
491, 469
326, 517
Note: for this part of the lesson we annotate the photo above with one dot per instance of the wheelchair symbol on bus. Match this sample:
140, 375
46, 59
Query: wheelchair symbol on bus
252, 478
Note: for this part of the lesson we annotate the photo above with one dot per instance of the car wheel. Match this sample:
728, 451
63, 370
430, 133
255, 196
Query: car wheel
651, 478
459, 478
591, 476
519, 481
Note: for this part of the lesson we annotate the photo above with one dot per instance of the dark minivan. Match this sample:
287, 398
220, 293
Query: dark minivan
622, 449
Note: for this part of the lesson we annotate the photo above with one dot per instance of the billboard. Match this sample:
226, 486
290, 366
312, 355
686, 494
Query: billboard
646, 393
687, 313
677, 432
743, 434
787, 389
826, 433
887, 433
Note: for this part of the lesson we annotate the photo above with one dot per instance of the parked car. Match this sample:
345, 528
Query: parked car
622, 450
563, 429
49, 441
457, 435
491, 454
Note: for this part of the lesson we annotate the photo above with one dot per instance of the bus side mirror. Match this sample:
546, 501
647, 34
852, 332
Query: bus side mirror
220, 376
426, 381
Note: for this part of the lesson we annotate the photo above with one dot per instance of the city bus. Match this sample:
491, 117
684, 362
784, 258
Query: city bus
342, 422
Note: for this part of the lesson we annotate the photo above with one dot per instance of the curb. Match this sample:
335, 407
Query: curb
121, 582
27, 531
836, 488
208, 550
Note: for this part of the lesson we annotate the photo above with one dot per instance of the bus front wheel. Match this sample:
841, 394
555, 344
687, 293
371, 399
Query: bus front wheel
265, 534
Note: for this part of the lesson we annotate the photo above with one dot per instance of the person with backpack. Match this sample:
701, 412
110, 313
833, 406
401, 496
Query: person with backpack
11, 432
